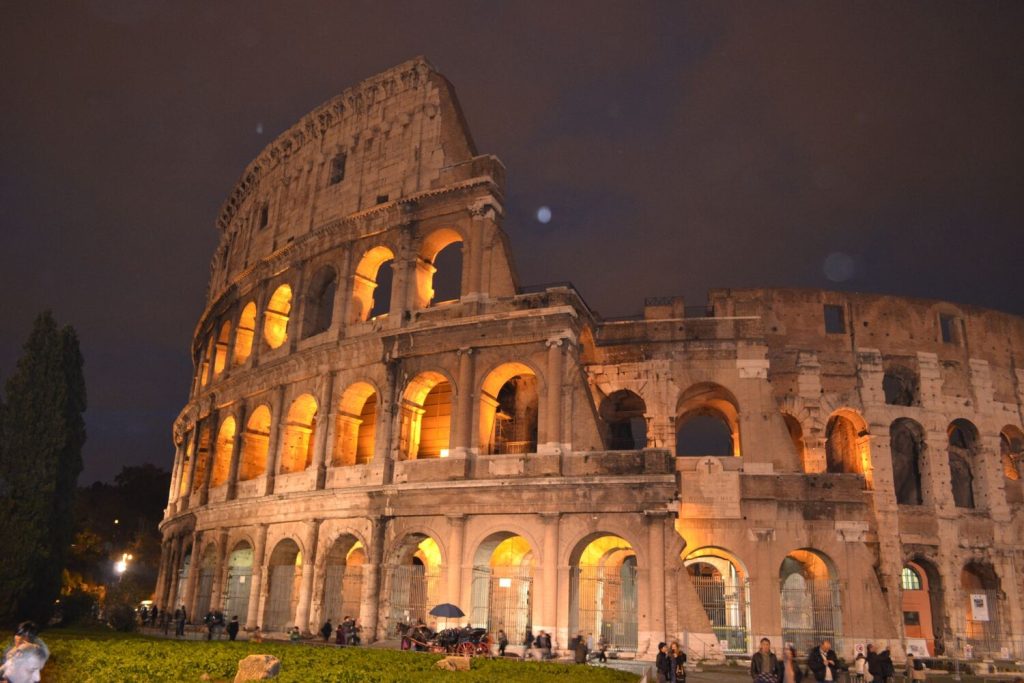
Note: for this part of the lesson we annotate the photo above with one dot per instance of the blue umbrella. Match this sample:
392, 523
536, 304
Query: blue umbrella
447, 610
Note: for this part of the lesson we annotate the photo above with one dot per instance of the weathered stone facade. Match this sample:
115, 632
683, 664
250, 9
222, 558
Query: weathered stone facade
774, 465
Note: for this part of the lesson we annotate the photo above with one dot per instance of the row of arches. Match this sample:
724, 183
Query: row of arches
436, 274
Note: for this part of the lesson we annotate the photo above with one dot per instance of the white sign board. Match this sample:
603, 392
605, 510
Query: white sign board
917, 647
979, 607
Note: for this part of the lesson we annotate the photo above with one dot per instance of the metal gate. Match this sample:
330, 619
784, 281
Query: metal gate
342, 592
204, 590
502, 598
236, 601
277, 615
811, 612
410, 589
179, 595
985, 637
727, 604
605, 604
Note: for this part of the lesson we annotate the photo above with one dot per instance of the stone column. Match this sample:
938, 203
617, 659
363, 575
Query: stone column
306, 582
171, 582
656, 553
548, 595
464, 404
261, 299
369, 598
176, 472
274, 438
320, 441
218, 584
456, 535
553, 437
473, 255
229, 355
236, 452
343, 295
189, 599
297, 312
256, 580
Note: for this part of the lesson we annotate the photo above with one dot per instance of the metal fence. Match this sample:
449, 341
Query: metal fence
410, 591
277, 615
236, 596
204, 591
727, 604
502, 598
811, 612
343, 586
605, 603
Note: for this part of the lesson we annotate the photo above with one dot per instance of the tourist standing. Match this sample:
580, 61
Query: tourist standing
233, 627
764, 665
662, 664
502, 642
791, 671
180, 617
26, 657
326, 630
580, 649
678, 660
822, 662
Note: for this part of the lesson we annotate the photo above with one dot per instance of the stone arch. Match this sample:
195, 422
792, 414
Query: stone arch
284, 571
509, 409
907, 445
245, 333
204, 586
343, 577
922, 602
222, 451
255, 444
810, 598
981, 593
275, 317
426, 416
847, 443
603, 589
318, 308
901, 386
707, 418
297, 438
364, 301
355, 425
412, 579
430, 248
962, 451
239, 579
624, 414
220, 355
1011, 454
502, 584
202, 455
796, 435
721, 582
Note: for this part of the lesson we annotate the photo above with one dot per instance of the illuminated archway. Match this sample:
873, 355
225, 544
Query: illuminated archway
202, 456
284, 571
205, 371
847, 444
508, 410
810, 598
413, 581
355, 426
343, 579
220, 356
922, 602
275, 318
365, 282
426, 417
236, 601
502, 588
707, 421
222, 451
245, 333
722, 585
255, 445
431, 247
982, 607
297, 440
1011, 453
603, 590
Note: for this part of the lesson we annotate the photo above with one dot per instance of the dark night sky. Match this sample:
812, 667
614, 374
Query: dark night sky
680, 146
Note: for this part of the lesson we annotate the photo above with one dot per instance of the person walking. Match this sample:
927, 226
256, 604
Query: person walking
180, 617
233, 627
528, 644
579, 648
602, 650
822, 662
790, 671
326, 630
764, 665
502, 642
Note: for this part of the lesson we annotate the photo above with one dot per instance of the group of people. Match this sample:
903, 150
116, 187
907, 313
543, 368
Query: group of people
347, 632
25, 658
823, 665
670, 663
537, 646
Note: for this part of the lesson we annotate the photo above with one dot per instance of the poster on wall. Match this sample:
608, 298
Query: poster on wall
917, 647
979, 607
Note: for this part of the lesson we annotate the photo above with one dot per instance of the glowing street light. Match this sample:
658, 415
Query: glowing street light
121, 566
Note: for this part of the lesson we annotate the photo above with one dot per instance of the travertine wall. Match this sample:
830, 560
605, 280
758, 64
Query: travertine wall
637, 523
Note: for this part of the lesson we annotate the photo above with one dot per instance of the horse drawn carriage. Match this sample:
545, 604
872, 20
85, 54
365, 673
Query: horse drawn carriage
467, 642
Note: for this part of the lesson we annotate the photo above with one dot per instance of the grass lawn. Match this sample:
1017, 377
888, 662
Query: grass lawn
84, 656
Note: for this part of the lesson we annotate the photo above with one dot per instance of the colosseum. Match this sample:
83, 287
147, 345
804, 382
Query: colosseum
363, 440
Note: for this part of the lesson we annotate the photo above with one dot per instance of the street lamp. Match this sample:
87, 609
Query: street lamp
121, 566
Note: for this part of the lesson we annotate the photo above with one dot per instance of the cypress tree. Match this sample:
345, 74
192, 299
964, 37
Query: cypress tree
40, 459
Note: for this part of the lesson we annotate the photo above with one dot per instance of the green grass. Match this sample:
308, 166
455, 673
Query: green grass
81, 656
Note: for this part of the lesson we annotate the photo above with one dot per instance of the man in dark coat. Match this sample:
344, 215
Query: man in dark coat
180, 617
822, 662
663, 664
326, 630
579, 647
764, 665
233, 626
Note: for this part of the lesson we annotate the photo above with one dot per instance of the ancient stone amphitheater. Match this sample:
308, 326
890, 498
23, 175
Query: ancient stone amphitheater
796, 464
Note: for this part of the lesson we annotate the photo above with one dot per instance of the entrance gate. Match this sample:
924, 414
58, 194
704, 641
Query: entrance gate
810, 612
605, 605
409, 588
727, 603
277, 615
503, 599
342, 591
237, 600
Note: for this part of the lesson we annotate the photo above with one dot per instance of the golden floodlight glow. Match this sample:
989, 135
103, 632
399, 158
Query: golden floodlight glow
429, 553
275, 324
244, 333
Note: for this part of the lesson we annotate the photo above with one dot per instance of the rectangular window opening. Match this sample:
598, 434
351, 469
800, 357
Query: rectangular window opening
264, 216
912, 618
337, 169
948, 325
835, 322
382, 199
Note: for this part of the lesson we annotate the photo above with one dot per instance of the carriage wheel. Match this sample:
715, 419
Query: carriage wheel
466, 649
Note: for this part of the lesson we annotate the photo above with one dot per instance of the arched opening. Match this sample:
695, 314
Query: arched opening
847, 447
963, 446
982, 614
355, 426
624, 415
222, 452
236, 602
921, 588
202, 457
297, 440
1011, 452
707, 421
183, 572
426, 417
284, 571
796, 435
371, 285
811, 610
204, 363
508, 410
220, 356
900, 386
502, 592
204, 586
186, 465
275, 318
319, 305
255, 445
603, 591
906, 442
245, 333
343, 579
722, 584
413, 581
450, 242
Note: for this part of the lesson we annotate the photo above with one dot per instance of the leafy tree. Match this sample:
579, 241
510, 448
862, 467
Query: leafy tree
40, 459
